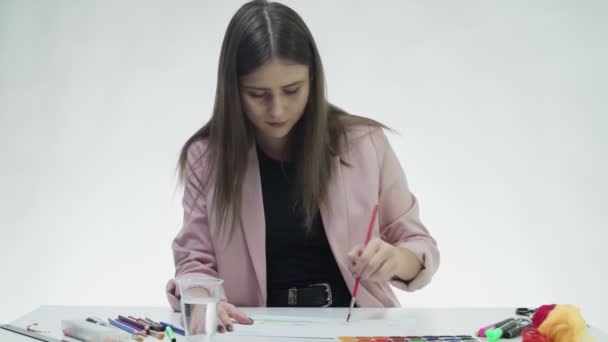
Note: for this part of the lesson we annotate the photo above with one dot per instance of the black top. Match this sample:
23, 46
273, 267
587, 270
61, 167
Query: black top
293, 256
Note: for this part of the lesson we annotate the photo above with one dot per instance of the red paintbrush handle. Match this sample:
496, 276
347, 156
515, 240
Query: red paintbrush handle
367, 238
356, 287
371, 225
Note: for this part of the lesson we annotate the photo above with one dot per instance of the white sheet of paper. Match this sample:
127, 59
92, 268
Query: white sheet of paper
314, 327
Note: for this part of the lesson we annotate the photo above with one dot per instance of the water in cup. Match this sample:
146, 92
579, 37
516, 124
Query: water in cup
200, 295
200, 317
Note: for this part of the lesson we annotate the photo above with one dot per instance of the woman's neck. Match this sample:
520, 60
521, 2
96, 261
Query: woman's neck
275, 148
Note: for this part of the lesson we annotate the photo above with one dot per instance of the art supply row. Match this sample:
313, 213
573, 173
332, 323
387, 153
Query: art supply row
547, 323
119, 329
442, 338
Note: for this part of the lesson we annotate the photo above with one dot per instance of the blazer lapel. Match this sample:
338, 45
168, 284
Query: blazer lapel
253, 220
334, 211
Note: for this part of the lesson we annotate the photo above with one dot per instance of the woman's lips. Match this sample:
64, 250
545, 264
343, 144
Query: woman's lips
276, 124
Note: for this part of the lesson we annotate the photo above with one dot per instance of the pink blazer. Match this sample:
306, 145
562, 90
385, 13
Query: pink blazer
367, 173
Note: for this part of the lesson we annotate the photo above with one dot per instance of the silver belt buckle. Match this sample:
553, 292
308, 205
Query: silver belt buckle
327, 290
292, 297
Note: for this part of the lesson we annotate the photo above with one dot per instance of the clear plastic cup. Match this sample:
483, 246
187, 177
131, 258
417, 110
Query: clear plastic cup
200, 296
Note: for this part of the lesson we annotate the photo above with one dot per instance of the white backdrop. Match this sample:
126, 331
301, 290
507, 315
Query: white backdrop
499, 105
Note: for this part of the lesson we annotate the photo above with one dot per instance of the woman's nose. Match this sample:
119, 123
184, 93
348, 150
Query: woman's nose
276, 107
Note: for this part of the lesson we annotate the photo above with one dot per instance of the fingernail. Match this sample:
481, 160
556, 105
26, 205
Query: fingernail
229, 327
220, 328
251, 319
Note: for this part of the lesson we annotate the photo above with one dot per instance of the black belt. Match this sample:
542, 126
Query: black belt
313, 295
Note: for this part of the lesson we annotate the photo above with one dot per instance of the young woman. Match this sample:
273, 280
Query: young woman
280, 184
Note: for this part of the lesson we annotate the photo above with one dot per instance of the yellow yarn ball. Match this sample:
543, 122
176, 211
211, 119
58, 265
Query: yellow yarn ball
565, 324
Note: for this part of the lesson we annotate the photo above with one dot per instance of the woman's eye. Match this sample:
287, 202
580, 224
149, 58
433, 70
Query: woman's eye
292, 91
257, 94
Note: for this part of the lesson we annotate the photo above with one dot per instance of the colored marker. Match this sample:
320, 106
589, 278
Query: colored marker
169, 332
516, 331
174, 328
482, 331
496, 333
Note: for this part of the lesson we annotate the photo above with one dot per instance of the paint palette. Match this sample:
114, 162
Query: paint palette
444, 338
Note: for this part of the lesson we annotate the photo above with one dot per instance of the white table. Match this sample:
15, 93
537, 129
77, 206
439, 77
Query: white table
425, 321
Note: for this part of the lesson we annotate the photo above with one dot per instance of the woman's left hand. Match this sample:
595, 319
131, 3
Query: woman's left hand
380, 261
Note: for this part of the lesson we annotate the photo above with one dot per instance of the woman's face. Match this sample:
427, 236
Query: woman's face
274, 97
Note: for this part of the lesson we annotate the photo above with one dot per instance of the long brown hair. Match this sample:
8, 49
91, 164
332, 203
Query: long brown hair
259, 31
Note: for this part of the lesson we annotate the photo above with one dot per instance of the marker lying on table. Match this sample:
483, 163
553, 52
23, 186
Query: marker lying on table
169, 332
174, 328
369, 235
498, 332
516, 331
482, 332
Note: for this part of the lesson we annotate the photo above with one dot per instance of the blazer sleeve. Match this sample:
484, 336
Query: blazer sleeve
192, 247
398, 216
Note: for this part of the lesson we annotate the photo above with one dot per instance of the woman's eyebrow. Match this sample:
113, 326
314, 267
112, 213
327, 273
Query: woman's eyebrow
261, 88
